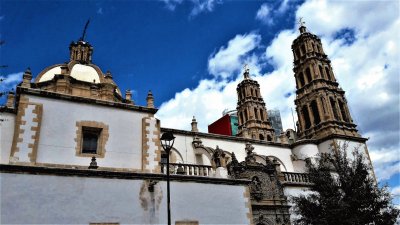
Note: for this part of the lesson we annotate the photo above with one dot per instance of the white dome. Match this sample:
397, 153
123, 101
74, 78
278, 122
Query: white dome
85, 73
50, 74
78, 71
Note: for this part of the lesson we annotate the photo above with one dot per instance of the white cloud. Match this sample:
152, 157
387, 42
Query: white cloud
228, 60
396, 191
171, 4
199, 6
327, 17
10, 81
100, 11
264, 14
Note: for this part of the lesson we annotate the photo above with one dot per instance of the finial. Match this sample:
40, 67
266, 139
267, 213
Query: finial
28, 70
150, 100
84, 30
302, 26
26, 78
108, 74
128, 96
246, 71
194, 125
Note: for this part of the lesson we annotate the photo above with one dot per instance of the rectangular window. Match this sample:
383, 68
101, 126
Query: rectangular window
90, 139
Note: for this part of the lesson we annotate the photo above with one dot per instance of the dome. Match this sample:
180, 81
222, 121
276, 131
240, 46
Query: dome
49, 74
79, 76
87, 73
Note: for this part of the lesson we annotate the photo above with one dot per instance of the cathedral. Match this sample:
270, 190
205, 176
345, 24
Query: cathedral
76, 150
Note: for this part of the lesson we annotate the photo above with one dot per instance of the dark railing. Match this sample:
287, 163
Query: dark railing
297, 178
186, 169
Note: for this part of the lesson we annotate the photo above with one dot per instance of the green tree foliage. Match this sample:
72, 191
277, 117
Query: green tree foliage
344, 193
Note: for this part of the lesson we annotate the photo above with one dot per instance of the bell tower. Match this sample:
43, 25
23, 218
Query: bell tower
320, 103
252, 113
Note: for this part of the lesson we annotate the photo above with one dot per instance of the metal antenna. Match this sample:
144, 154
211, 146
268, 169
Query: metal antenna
84, 30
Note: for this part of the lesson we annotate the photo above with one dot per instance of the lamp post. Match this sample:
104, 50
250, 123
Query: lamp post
167, 141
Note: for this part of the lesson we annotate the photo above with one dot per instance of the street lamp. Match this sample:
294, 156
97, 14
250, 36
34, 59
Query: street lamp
167, 141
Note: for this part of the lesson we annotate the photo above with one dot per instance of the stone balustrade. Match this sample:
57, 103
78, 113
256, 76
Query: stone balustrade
187, 169
296, 178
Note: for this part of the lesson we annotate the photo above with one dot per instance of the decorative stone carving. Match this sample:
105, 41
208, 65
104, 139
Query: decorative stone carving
269, 204
218, 158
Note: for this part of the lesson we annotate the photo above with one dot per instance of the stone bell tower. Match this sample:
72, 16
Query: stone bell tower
252, 113
320, 103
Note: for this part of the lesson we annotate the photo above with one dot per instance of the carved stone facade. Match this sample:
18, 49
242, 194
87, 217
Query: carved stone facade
252, 114
269, 204
320, 102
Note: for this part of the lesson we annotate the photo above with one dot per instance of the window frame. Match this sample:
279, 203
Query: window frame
86, 126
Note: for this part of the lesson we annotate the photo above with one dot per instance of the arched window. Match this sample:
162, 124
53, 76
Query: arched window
301, 79
306, 117
255, 113
261, 137
314, 108
298, 53
343, 112
333, 105
245, 115
328, 74
269, 138
241, 118
308, 74
261, 114
321, 71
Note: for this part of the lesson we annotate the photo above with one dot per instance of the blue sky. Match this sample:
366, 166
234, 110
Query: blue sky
191, 54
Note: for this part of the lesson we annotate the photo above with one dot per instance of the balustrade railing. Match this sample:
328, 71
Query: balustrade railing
296, 177
187, 169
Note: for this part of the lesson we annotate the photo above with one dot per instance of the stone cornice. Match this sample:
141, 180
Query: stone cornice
329, 137
99, 173
224, 137
72, 98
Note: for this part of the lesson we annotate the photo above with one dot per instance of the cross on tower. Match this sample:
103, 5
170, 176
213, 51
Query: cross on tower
301, 22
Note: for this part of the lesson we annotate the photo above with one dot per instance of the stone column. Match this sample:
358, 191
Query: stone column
311, 115
320, 111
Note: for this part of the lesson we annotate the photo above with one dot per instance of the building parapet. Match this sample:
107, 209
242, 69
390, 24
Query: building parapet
66, 97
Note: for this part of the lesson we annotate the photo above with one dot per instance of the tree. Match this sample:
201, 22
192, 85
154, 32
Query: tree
344, 192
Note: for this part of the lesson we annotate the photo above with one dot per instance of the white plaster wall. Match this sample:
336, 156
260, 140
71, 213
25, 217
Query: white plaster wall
326, 147
6, 136
44, 199
301, 153
183, 143
58, 131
